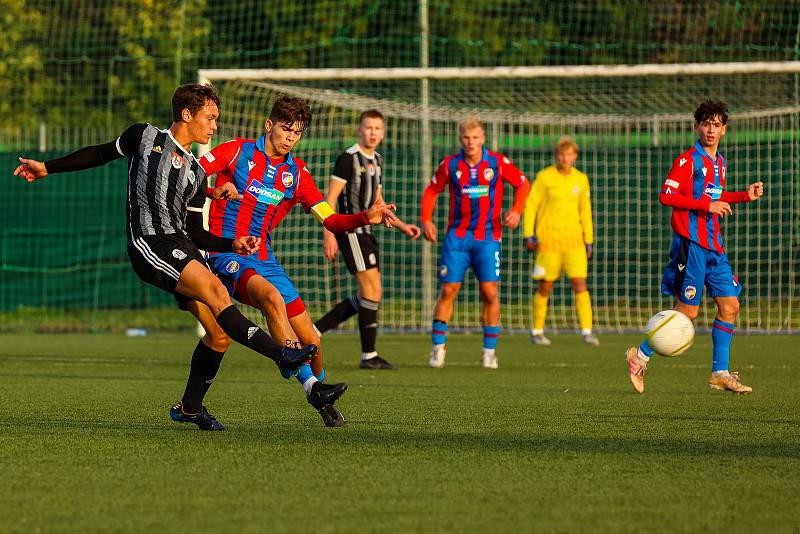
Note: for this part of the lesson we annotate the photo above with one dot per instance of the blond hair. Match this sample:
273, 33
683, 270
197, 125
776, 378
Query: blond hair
469, 124
564, 143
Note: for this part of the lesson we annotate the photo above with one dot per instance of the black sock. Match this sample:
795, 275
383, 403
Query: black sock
244, 331
368, 323
338, 314
204, 367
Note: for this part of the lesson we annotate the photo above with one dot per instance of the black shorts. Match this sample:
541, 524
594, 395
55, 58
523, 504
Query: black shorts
160, 259
360, 251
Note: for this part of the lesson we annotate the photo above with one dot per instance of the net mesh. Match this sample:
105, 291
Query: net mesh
625, 150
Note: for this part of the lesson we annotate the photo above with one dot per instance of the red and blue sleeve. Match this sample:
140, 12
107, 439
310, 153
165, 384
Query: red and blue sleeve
436, 186
676, 191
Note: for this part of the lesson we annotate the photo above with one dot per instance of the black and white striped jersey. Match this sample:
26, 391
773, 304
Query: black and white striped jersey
164, 181
362, 176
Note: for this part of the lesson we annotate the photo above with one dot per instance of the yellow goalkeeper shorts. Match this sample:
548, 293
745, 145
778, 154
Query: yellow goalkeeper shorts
549, 264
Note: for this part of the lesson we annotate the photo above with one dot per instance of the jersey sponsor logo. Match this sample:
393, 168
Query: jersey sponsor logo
690, 292
250, 164
178, 254
263, 194
209, 157
683, 160
177, 160
475, 191
712, 190
672, 183
287, 179
488, 174
232, 266
158, 149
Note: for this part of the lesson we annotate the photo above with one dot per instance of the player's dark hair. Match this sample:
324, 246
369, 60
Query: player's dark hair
192, 96
710, 109
291, 110
370, 114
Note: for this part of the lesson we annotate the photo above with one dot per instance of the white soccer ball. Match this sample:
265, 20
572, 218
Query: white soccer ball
670, 333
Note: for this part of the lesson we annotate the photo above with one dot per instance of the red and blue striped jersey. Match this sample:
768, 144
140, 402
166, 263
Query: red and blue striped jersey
694, 174
270, 188
476, 192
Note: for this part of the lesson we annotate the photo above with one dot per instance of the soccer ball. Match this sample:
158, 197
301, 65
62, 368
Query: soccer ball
670, 333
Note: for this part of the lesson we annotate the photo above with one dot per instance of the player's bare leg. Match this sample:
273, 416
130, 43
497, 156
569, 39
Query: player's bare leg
206, 360
196, 282
370, 293
442, 313
721, 333
491, 323
540, 299
583, 306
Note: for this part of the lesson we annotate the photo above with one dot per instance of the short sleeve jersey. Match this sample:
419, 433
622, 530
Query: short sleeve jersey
362, 176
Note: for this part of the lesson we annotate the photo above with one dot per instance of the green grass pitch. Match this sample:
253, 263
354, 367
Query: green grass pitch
553, 441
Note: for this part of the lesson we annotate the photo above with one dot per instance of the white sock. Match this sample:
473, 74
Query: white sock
488, 353
308, 384
644, 358
536, 332
438, 348
586, 332
368, 355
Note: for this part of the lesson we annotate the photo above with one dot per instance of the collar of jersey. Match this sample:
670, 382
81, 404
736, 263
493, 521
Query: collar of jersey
177, 144
703, 152
261, 145
484, 156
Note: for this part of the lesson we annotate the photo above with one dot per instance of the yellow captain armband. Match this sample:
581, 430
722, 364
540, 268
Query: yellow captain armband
322, 210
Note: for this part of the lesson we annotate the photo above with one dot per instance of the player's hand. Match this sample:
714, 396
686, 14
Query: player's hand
588, 251
531, 244
720, 208
429, 231
511, 219
329, 245
756, 190
381, 212
30, 169
412, 230
246, 245
226, 191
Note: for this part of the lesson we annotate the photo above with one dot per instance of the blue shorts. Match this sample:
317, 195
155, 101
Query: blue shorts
692, 267
230, 267
458, 253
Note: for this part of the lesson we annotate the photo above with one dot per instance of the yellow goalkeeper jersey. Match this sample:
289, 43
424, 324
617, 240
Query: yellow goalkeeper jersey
558, 210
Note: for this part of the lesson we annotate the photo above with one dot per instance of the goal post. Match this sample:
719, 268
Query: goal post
630, 121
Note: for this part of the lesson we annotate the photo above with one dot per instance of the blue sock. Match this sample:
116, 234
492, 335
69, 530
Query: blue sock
646, 349
304, 373
490, 336
439, 333
721, 335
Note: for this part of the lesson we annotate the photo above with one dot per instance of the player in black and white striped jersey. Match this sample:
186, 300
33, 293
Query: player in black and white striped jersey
166, 193
357, 181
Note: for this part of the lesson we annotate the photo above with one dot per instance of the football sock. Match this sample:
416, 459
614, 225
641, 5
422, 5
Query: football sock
439, 333
490, 336
203, 369
368, 355
583, 305
244, 331
721, 336
645, 350
338, 314
539, 312
306, 378
368, 323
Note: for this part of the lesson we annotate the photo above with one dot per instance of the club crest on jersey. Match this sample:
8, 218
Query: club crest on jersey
232, 266
575, 189
443, 270
713, 191
690, 292
177, 160
488, 174
475, 191
287, 179
178, 254
157, 149
263, 194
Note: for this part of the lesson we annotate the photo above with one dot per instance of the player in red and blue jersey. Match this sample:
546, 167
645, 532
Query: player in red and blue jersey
261, 181
475, 177
695, 189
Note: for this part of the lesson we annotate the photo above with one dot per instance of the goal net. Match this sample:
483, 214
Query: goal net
630, 122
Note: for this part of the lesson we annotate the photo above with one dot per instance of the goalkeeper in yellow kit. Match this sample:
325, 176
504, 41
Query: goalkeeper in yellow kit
558, 226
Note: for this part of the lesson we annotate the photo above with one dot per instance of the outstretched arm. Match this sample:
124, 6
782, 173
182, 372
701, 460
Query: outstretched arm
84, 158
411, 230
